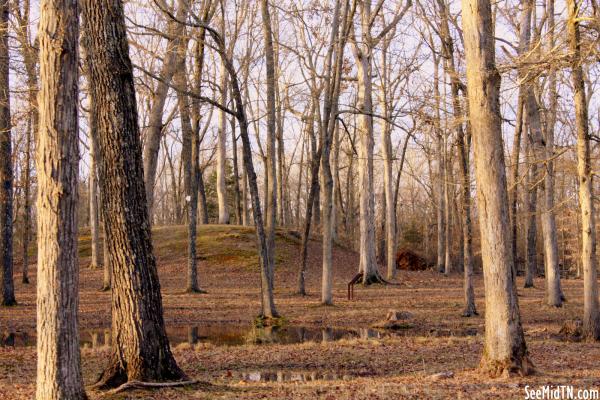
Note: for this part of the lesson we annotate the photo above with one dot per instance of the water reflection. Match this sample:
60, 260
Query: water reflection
218, 335
287, 376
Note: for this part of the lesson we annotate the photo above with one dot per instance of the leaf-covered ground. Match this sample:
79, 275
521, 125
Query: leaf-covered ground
437, 340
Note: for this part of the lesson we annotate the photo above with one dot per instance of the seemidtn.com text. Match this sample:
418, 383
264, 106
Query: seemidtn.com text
560, 392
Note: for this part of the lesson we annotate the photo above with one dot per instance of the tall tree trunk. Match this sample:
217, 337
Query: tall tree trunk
236, 176
591, 313
363, 56
554, 295
59, 362
222, 144
310, 201
531, 203
333, 71
504, 349
30, 59
441, 203
388, 179
447, 209
514, 199
463, 156
140, 350
94, 221
190, 154
154, 131
271, 204
541, 152
6, 173
27, 206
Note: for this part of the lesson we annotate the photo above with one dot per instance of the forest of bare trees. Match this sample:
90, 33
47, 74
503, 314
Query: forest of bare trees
343, 139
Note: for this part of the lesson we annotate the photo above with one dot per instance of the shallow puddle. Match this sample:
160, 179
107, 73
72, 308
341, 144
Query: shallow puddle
218, 335
287, 376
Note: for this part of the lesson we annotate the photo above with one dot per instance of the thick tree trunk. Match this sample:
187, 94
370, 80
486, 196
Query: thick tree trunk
6, 173
140, 349
591, 313
504, 349
367, 260
58, 358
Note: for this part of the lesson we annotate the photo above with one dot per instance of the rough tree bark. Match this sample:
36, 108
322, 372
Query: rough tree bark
504, 349
140, 350
6, 173
591, 313
59, 362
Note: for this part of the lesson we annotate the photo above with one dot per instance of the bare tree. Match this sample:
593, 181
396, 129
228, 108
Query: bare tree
140, 350
591, 313
504, 348
6, 173
58, 358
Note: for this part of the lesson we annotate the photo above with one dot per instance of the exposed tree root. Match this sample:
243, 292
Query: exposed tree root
152, 385
104, 289
117, 374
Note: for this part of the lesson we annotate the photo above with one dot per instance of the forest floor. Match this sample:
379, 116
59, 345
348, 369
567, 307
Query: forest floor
320, 352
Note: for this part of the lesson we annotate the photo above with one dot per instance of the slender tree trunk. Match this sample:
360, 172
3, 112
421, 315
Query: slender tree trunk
140, 349
312, 191
591, 313
222, 145
448, 210
58, 358
271, 204
202, 198
94, 222
106, 268
27, 206
236, 176
333, 71
463, 156
532, 221
388, 179
154, 131
6, 173
554, 295
504, 349
515, 181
